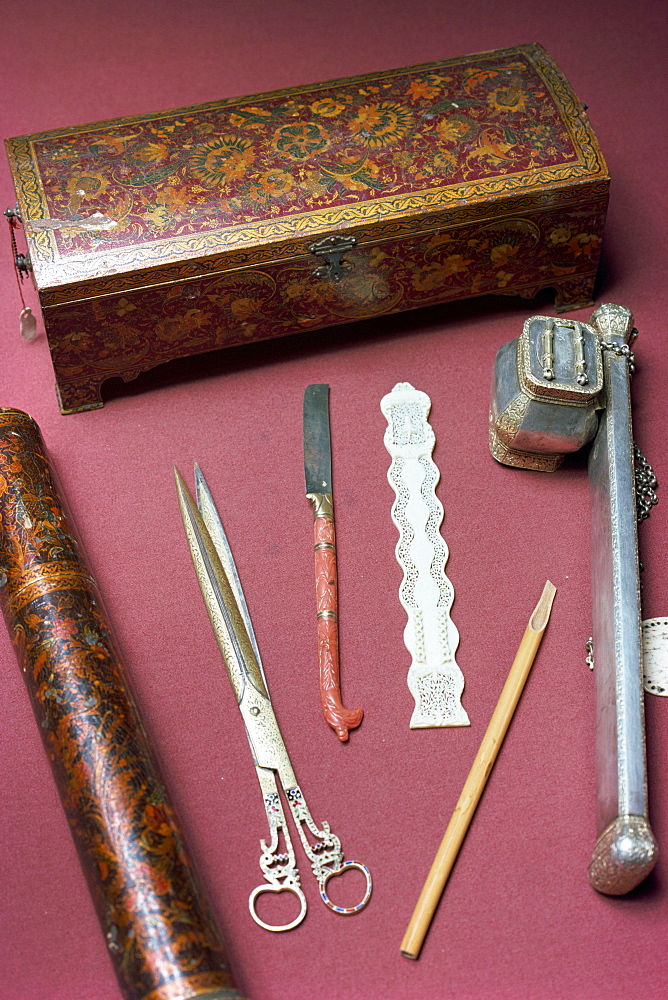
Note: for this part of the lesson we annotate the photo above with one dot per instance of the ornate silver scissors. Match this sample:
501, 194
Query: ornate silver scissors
230, 618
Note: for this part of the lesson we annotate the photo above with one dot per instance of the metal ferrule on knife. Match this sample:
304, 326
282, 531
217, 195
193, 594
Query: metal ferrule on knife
322, 504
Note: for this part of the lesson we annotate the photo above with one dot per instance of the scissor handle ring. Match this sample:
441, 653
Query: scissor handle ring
277, 888
339, 871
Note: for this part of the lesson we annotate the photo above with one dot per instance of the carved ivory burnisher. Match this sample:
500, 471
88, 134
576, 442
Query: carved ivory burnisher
434, 678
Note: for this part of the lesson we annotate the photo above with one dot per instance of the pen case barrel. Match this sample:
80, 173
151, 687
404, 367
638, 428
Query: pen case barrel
157, 925
626, 849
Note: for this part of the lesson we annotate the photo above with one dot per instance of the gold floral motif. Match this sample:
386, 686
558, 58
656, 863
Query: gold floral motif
151, 152
314, 184
301, 141
242, 308
509, 98
272, 184
425, 88
125, 306
452, 129
178, 199
328, 107
381, 124
585, 244
503, 252
503, 278
561, 234
222, 161
435, 275
445, 162
159, 218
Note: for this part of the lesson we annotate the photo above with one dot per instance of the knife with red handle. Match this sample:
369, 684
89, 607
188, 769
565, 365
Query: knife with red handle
318, 473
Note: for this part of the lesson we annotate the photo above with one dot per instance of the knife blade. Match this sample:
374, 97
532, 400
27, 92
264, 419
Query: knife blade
318, 476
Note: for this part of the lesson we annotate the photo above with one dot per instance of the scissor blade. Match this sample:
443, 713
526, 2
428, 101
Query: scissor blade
226, 618
214, 526
228, 624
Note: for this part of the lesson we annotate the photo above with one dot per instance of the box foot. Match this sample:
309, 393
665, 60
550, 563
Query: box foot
575, 293
80, 397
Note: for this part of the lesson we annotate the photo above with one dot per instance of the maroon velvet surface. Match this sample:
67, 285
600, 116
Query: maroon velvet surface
518, 918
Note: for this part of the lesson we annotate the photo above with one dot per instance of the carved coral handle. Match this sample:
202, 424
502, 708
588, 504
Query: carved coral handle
326, 589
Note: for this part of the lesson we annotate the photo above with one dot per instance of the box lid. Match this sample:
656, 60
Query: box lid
242, 181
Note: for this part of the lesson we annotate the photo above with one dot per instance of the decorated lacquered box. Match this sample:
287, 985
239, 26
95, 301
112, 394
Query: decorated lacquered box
165, 235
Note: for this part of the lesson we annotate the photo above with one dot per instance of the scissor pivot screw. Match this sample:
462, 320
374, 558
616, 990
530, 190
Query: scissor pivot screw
255, 710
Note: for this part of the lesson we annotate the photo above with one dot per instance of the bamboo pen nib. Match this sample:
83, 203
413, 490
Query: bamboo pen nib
541, 614
478, 775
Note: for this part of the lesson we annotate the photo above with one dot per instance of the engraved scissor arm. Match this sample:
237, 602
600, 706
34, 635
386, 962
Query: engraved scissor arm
278, 867
325, 856
324, 853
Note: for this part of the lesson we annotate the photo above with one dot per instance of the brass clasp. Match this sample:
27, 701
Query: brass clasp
332, 248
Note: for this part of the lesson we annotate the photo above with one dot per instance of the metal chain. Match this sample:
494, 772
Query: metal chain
646, 484
645, 480
589, 646
622, 351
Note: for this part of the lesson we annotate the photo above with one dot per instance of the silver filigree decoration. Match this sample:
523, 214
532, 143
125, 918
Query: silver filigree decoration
624, 855
646, 485
426, 594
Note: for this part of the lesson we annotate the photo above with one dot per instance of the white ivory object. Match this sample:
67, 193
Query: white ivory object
655, 655
426, 594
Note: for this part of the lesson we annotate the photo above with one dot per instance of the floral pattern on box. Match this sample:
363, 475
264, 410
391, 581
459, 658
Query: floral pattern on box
282, 155
131, 331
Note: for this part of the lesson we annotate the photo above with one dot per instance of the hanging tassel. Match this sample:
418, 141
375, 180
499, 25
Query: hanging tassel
27, 321
27, 324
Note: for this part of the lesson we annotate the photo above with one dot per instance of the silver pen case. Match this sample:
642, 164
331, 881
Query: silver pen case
561, 385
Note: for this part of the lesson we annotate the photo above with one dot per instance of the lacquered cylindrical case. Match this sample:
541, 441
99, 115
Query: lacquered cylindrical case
157, 924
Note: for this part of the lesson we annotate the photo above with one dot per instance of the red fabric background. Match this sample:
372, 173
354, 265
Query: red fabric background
518, 918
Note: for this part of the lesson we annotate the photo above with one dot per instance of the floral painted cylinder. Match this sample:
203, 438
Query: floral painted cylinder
159, 932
